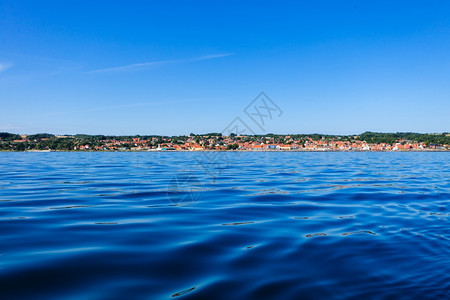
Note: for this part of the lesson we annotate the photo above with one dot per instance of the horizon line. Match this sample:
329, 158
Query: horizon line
217, 133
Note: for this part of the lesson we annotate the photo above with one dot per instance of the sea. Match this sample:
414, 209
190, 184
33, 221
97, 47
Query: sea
225, 225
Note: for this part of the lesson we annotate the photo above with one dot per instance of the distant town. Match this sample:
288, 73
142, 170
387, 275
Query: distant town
368, 141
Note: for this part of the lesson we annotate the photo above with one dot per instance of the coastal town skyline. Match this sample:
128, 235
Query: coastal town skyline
367, 141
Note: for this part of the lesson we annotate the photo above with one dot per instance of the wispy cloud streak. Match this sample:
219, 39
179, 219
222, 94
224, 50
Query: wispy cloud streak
141, 66
4, 66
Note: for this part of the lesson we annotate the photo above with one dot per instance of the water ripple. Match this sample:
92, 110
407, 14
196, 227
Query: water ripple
260, 226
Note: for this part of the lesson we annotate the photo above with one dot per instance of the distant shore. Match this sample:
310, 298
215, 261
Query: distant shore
368, 141
225, 151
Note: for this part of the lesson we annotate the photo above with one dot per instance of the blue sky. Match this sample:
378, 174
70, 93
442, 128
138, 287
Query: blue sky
176, 67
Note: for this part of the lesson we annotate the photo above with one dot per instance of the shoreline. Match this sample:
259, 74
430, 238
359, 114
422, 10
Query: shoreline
227, 151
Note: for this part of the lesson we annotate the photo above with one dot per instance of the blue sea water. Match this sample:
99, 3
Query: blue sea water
271, 225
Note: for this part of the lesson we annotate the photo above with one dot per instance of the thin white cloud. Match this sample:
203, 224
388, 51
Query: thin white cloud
4, 66
144, 65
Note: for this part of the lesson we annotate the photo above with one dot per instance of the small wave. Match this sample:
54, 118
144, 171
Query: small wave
238, 223
315, 234
183, 292
360, 232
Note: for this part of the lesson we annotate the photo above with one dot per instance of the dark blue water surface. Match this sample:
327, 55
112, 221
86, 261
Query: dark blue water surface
224, 225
